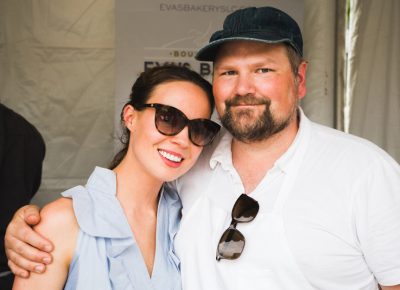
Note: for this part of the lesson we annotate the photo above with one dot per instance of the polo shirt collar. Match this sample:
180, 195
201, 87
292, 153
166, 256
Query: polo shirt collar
283, 162
223, 153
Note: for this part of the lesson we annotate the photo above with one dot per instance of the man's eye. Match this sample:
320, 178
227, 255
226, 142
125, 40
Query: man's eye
228, 73
264, 70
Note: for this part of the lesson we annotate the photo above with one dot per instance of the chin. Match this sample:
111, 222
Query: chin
169, 179
171, 176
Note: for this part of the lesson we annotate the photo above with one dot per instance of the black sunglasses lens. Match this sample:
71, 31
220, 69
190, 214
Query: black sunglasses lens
245, 209
230, 245
202, 132
169, 121
232, 242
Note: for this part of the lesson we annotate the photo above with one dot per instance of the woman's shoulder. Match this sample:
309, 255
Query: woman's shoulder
58, 224
58, 213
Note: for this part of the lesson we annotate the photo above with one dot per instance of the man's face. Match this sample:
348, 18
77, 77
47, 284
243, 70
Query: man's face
256, 93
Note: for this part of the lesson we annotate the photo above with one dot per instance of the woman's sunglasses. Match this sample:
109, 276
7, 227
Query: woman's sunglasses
170, 121
232, 241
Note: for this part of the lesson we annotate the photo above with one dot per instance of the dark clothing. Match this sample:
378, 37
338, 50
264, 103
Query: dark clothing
22, 151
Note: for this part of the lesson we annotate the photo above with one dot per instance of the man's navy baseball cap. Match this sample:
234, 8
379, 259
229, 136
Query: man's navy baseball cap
264, 24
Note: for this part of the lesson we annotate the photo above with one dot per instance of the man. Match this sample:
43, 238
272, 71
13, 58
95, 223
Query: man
320, 209
22, 151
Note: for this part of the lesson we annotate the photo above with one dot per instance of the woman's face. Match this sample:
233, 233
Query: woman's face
167, 157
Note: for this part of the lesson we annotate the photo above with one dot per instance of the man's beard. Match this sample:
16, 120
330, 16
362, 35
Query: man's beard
246, 127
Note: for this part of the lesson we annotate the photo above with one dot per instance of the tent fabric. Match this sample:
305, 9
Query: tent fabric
373, 86
57, 70
321, 47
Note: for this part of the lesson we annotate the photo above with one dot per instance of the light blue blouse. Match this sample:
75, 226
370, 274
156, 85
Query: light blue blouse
106, 255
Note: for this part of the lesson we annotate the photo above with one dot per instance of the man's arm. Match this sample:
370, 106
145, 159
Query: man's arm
26, 249
397, 287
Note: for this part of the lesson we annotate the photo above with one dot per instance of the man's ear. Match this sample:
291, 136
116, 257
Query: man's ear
301, 80
129, 116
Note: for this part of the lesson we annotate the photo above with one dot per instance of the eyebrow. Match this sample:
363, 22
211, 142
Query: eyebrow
265, 61
228, 66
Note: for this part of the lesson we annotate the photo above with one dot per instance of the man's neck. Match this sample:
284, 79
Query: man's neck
253, 160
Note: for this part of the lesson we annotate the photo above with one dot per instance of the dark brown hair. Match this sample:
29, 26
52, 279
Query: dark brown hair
146, 84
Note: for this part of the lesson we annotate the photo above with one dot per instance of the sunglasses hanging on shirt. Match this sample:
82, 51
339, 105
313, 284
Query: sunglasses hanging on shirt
232, 241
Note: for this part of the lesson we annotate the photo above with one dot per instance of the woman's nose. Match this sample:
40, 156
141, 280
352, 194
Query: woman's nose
182, 138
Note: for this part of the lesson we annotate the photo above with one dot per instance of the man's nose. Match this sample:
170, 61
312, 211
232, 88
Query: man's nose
245, 85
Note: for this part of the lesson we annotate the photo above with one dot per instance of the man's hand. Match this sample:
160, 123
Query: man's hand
26, 250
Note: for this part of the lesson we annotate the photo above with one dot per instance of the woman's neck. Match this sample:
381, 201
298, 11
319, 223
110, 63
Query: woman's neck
135, 188
138, 194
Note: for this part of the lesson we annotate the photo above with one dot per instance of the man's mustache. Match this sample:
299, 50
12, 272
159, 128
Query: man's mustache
247, 100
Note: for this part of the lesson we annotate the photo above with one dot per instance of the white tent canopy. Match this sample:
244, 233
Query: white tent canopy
67, 67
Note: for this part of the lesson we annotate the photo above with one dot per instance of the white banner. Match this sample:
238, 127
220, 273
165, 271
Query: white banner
152, 33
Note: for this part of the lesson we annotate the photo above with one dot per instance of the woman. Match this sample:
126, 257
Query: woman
117, 231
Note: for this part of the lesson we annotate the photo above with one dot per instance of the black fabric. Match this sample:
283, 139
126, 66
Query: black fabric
6, 282
22, 151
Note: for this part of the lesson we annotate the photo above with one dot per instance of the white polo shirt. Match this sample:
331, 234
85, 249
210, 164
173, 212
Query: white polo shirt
338, 226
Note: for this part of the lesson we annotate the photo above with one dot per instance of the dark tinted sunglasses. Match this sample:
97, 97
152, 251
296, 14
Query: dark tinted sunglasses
170, 121
232, 241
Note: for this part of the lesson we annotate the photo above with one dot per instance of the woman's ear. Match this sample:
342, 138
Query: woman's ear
129, 116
